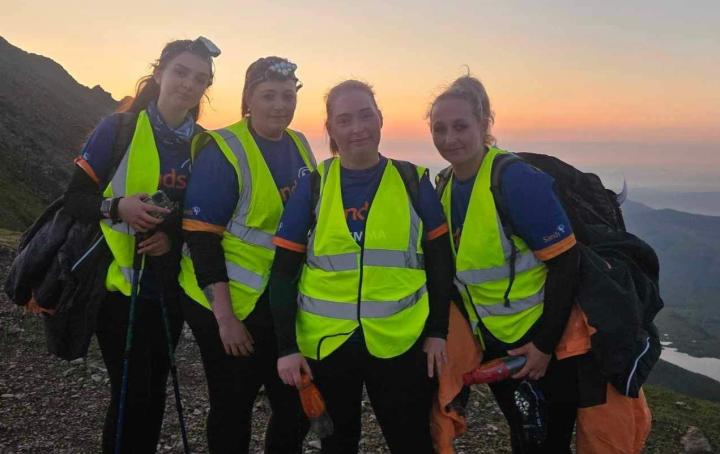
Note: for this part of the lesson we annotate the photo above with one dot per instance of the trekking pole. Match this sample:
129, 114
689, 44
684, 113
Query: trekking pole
173, 366
134, 290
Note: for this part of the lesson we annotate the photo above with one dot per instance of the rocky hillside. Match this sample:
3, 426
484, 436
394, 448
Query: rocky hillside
52, 406
45, 116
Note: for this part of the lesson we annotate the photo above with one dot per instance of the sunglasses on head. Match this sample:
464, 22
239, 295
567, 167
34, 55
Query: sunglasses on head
285, 69
204, 45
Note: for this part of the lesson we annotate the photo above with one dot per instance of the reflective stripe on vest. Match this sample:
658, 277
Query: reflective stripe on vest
349, 311
524, 262
380, 286
245, 276
237, 273
483, 268
247, 240
138, 172
250, 235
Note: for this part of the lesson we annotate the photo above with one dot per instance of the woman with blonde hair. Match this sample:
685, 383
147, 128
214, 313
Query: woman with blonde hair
515, 271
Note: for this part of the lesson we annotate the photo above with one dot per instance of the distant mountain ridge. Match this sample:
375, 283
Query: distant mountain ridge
689, 249
45, 116
705, 203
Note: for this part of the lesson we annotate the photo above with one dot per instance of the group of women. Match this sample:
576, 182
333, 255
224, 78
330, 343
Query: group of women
343, 271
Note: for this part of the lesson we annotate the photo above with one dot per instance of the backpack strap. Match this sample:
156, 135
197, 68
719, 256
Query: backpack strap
500, 163
124, 132
442, 179
411, 180
314, 189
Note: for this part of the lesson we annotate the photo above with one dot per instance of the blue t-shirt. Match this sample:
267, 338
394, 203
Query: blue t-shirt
173, 148
532, 206
213, 190
358, 188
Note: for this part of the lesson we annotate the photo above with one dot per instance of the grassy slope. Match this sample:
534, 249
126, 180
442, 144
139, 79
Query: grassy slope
673, 413
9, 238
18, 205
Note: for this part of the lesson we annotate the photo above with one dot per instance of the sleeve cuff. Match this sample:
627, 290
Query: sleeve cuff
556, 249
192, 225
83, 164
289, 245
437, 232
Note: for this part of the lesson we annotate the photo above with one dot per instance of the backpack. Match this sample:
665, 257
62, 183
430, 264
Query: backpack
62, 264
618, 279
407, 171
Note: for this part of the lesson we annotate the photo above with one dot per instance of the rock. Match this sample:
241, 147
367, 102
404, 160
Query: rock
7, 396
96, 378
78, 361
197, 412
682, 404
14, 329
314, 444
694, 442
68, 371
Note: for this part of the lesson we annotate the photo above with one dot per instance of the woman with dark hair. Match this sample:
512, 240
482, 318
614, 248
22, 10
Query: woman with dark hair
242, 176
113, 191
363, 299
517, 287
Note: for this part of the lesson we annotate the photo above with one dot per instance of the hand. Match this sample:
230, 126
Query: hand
157, 244
436, 350
235, 337
290, 367
137, 214
537, 362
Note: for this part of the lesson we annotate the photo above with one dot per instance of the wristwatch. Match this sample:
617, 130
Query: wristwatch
105, 208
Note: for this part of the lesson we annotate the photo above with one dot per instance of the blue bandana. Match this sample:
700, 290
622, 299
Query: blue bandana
166, 135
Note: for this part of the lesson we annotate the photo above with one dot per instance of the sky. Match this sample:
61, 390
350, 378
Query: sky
627, 89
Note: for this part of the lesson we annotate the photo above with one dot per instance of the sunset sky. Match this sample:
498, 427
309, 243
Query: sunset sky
629, 89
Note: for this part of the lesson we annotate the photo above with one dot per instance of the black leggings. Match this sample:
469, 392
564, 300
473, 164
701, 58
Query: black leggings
559, 388
147, 373
399, 390
234, 382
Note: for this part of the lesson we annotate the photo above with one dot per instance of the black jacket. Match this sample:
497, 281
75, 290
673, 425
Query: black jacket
62, 263
618, 291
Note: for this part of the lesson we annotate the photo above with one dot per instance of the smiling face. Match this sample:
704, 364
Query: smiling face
183, 81
272, 107
457, 133
354, 123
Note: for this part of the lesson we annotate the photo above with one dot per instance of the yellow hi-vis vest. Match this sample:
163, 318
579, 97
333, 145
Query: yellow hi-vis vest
379, 286
247, 240
482, 264
138, 171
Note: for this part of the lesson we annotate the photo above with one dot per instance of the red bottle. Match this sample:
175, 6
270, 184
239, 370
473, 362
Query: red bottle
495, 370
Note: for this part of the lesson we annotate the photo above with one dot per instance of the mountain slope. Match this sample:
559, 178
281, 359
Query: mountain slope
689, 249
44, 117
